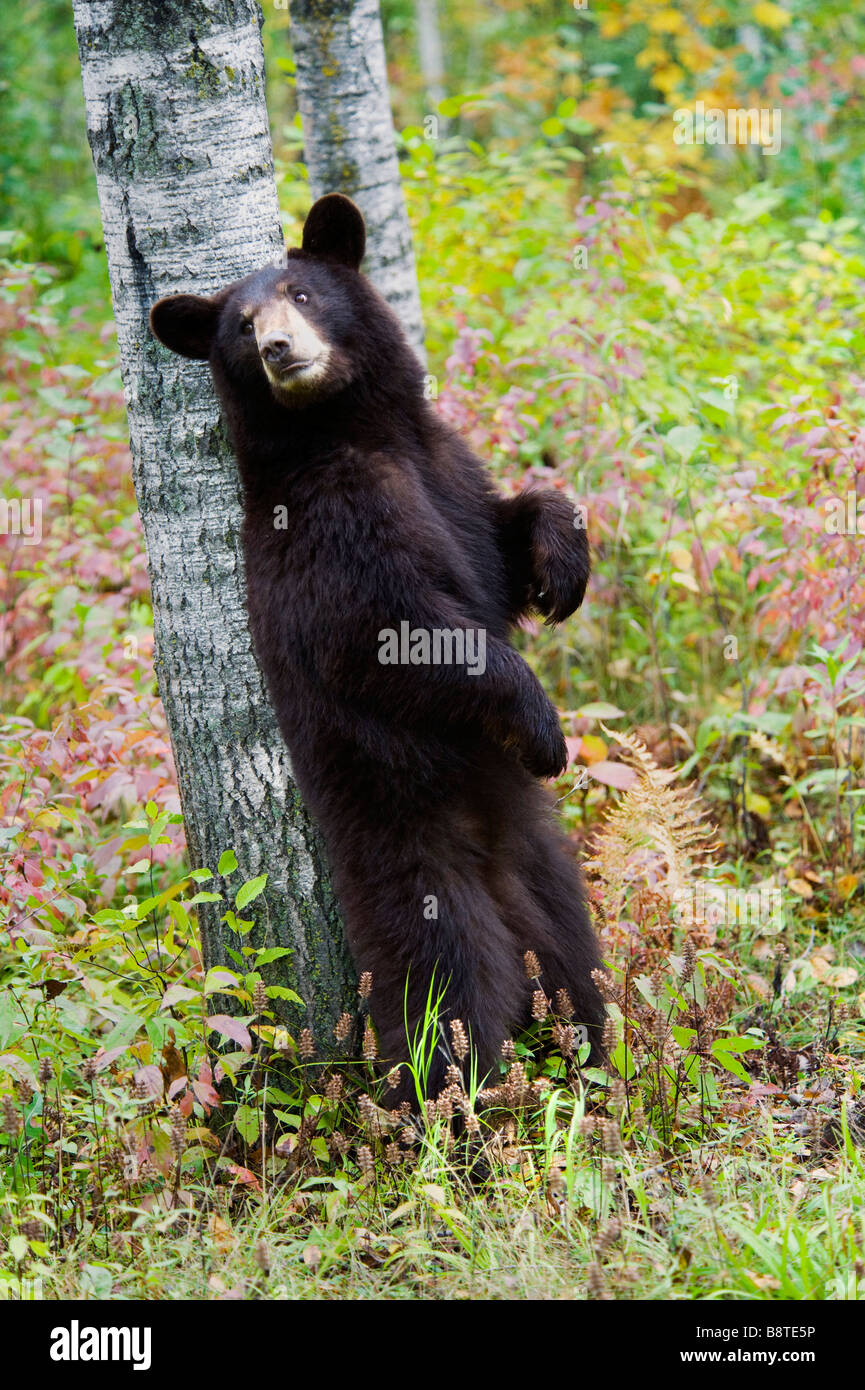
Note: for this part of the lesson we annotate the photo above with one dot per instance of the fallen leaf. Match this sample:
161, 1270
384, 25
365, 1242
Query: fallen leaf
801, 887
758, 985
221, 1232
763, 1281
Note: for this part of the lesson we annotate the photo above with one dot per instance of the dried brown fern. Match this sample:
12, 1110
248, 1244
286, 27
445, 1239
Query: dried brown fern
657, 833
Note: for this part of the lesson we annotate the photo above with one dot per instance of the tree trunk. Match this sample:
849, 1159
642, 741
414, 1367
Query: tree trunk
348, 137
178, 128
431, 54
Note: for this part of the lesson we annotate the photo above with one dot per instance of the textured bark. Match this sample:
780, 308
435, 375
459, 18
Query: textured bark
348, 137
178, 129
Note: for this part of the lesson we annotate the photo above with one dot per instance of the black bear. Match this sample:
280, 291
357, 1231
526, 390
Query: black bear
384, 575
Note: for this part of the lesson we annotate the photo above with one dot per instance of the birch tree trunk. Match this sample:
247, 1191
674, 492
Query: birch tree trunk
348, 137
430, 53
178, 128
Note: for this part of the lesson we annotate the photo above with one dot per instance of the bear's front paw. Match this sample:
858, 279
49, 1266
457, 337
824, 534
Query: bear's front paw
560, 562
546, 755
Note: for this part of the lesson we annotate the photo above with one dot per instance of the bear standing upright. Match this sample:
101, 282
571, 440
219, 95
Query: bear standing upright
384, 573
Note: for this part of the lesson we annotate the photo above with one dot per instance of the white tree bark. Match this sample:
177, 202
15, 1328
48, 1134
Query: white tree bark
348, 137
178, 128
430, 52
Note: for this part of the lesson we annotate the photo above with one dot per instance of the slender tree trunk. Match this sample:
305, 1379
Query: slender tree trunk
177, 124
430, 53
348, 137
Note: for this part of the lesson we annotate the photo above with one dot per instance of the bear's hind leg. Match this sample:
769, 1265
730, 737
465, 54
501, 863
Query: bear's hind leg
426, 930
541, 897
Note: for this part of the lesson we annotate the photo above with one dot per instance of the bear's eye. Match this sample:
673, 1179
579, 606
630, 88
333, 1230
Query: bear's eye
247, 326
300, 297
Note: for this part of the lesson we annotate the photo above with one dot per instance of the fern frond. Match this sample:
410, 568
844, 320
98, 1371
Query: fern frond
657, 833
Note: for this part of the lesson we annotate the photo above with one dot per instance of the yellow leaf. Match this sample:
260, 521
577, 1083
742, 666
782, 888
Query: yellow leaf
770, 15
687, 581
758, 805
204, 1136
667, 21
847, 885
668, 77
592, 749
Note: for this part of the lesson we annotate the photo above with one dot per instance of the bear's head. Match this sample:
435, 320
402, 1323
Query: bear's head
305, 329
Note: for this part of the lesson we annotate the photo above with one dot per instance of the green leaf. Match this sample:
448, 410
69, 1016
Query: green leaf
272, 953
247, 1122
280, 992
227, 862
96, 1280
685, 440
718, 401
218, 978
250, 891
623, 1061
124, 1030
599, 709
731, 1064
238, 924
737, 1044
18, 1248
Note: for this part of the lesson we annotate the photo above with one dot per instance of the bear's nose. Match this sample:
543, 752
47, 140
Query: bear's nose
274, 347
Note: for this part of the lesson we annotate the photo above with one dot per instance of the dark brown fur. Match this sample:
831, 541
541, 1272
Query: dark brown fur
422, 777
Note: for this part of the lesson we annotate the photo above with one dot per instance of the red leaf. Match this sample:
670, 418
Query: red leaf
574, 746
231, 1028
617, 775
205, 1093
150, 1078
242, 1174
101, 1059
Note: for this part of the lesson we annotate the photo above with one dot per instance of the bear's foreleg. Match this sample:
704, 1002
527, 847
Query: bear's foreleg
543, 539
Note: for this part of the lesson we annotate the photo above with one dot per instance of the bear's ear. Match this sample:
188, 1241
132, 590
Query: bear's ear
334, 231
186, 323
